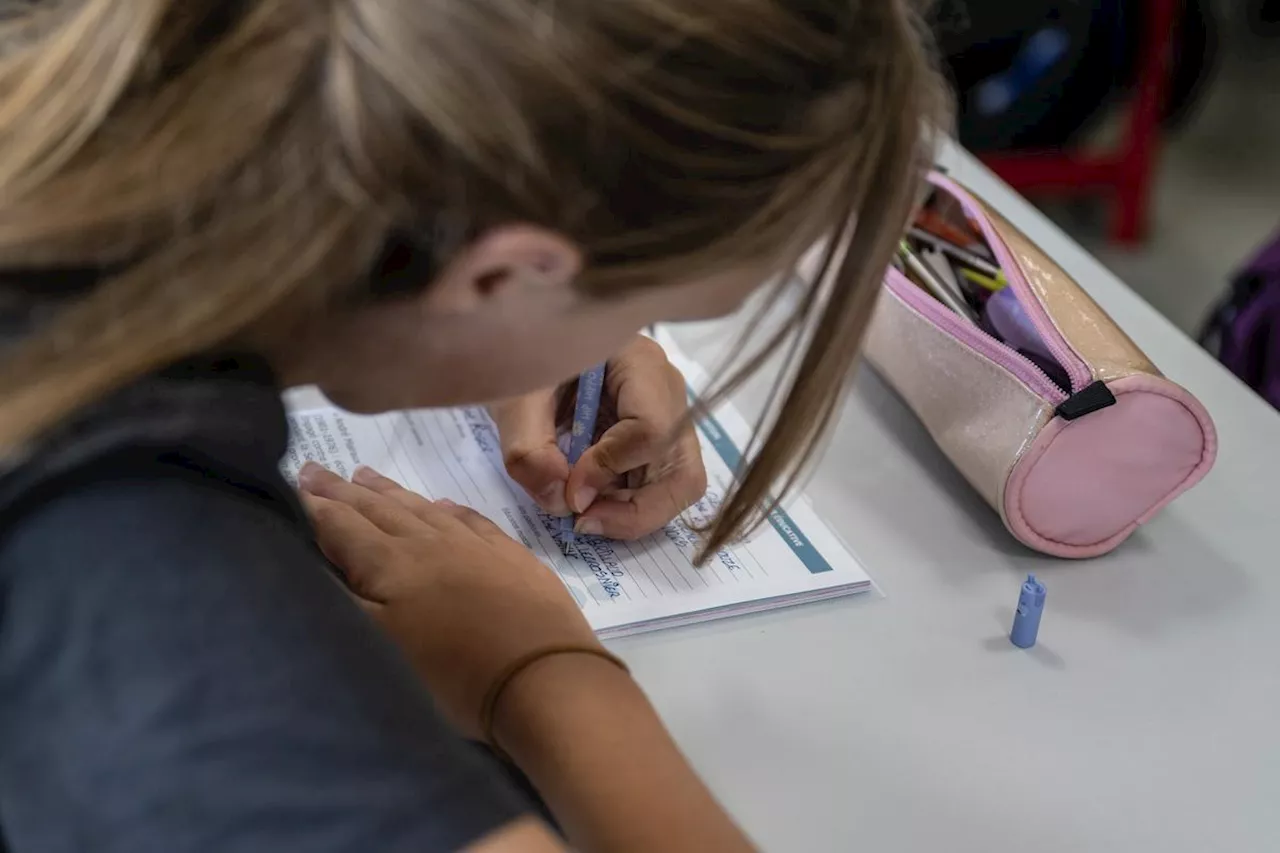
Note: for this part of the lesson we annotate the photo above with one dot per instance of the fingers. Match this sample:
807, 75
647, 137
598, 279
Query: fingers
642, 353
352, 543
527, 430
422, 509
649, 395
624, 447
444, 515
475, 522
649, 509
387, 515
679, 485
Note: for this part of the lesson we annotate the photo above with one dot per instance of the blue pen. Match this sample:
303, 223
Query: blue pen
590, 387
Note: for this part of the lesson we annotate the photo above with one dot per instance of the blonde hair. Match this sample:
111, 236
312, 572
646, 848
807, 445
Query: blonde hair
231, 168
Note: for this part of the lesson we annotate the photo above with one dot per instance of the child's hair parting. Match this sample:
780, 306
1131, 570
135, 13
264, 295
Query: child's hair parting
227, 168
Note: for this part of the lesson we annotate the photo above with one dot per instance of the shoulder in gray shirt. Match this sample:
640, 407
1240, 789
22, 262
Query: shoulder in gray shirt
180, 671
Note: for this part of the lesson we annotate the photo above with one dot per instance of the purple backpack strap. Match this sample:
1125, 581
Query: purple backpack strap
1270, 389
1246, 326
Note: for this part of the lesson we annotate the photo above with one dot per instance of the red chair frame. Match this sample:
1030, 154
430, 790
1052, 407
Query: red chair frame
1125, 174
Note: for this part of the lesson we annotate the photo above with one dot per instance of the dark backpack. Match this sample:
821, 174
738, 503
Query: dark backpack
1244, 330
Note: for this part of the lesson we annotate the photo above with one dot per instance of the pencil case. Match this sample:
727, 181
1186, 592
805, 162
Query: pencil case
1075, 444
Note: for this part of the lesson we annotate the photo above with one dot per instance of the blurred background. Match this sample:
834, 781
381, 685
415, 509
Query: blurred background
1150, 131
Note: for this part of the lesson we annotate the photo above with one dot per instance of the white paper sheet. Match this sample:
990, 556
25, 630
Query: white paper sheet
623, 587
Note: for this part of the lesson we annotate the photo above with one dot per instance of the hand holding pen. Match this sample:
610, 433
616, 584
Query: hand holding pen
634, 479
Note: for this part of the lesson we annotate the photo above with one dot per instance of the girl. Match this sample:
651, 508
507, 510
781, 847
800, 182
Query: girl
407, 203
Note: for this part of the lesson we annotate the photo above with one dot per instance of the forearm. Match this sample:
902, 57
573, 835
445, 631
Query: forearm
585, 734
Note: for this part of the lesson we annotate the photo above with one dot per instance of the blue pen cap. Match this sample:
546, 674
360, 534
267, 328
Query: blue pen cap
1026, 620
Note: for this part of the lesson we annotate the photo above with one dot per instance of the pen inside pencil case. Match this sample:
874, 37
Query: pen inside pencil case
963, 260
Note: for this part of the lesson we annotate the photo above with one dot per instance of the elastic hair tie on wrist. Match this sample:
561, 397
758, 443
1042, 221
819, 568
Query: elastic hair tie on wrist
490, 704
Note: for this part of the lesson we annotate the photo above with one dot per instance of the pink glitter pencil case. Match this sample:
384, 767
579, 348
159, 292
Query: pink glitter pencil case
1074, 436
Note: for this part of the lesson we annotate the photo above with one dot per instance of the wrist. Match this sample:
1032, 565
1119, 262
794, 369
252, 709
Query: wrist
553, 695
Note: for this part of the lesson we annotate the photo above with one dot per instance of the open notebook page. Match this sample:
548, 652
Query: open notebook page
623, 587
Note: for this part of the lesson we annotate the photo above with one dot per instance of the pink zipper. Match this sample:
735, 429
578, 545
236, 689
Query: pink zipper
973, 337
1077, 371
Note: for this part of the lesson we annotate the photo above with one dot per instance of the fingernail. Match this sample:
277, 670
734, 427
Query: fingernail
445, 502
552, 499
583, 499
365, 476
307, 475
588, 527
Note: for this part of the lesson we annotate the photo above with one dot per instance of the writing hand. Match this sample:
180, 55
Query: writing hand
461, 598
637, 476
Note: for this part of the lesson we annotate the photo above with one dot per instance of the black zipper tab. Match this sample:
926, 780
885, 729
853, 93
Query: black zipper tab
1090, 399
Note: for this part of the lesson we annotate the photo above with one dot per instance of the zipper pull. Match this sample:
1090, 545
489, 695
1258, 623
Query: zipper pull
1089, 399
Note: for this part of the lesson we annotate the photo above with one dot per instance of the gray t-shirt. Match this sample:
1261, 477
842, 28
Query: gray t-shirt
179, 668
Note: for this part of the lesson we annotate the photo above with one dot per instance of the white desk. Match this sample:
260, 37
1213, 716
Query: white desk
1147, 718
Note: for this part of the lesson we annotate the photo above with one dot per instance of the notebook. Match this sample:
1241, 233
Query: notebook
622, 587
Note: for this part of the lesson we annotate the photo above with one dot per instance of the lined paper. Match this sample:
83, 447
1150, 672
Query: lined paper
623, 587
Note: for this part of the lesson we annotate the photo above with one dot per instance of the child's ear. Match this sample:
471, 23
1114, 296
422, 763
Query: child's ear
503, 260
